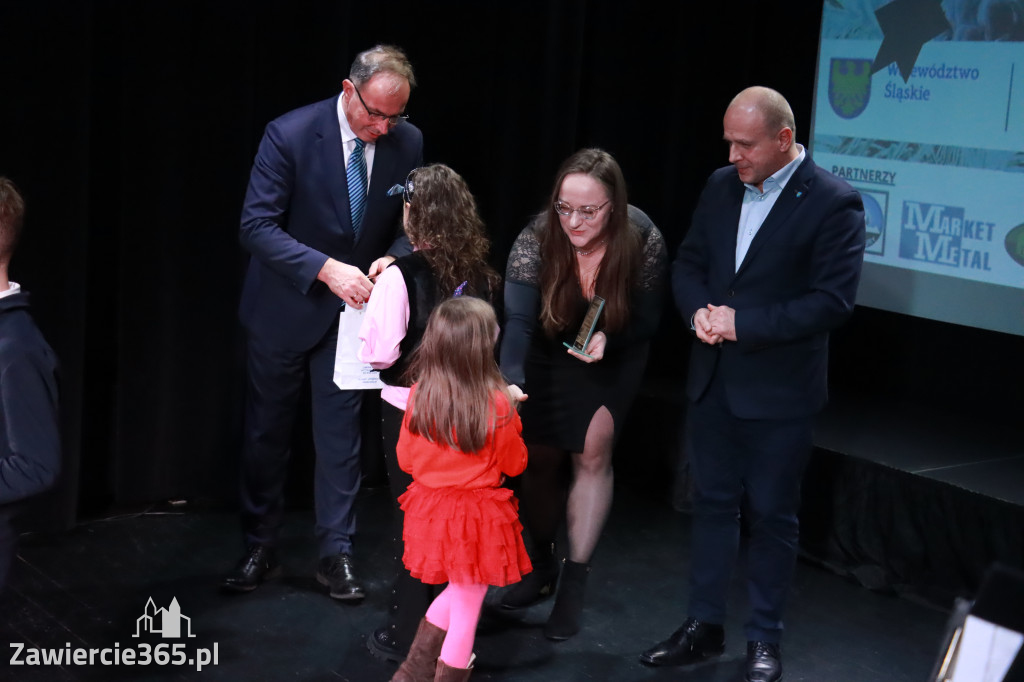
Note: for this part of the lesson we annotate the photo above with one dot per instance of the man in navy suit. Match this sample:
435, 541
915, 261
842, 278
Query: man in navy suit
769, 266
30, 450
317, 215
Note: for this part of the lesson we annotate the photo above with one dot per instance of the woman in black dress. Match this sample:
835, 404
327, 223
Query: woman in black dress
587, 242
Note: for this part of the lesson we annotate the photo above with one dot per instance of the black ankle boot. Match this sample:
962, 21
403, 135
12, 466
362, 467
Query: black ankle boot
535, 586
408, 604
564, 621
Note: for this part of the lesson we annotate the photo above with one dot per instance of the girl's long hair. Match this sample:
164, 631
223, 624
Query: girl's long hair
457, 377
445, 225
620, 264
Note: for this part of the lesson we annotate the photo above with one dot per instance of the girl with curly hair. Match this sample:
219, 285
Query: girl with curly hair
450, 259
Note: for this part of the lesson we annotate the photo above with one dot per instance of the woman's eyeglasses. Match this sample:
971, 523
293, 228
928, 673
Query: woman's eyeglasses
585, 212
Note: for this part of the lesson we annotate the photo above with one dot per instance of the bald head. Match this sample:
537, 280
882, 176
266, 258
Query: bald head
770, 104
758, 126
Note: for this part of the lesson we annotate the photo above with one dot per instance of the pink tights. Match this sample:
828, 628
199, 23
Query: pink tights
457, 611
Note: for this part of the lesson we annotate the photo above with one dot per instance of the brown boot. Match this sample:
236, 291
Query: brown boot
421, 663
446, 673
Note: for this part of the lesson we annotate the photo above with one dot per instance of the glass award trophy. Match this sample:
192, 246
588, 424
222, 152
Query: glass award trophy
587, 328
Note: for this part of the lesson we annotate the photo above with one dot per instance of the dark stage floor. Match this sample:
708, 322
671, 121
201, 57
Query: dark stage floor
89, 588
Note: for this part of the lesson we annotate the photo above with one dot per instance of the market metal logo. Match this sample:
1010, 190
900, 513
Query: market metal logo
849, 86
165, 622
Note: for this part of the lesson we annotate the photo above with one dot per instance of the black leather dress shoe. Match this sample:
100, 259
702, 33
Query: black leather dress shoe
337, 574
764, 663
693, 642
258, 564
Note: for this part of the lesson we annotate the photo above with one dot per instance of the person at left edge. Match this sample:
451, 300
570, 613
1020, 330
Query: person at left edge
307, 259
30, 448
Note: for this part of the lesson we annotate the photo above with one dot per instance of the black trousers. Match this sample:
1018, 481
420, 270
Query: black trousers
409, 597
756, 465
276, 377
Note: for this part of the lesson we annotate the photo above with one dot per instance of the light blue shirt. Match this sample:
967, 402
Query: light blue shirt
757, 205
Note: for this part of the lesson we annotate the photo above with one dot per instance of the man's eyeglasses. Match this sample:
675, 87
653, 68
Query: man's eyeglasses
586, 212
392, 120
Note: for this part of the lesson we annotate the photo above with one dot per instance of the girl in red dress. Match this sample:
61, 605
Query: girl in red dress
460, 438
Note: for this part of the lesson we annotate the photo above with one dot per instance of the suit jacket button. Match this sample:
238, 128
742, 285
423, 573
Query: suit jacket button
732, 293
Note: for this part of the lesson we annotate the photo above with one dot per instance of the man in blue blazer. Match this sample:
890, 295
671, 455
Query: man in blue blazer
317, 216
769, 266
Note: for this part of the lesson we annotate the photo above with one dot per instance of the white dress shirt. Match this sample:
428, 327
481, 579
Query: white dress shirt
348, 141
13, 289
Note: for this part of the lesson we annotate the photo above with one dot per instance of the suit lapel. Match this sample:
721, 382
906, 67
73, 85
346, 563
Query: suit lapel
332, 159
793, 194
384, 160
731, 226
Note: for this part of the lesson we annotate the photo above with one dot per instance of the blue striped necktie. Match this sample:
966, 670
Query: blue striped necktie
356, 177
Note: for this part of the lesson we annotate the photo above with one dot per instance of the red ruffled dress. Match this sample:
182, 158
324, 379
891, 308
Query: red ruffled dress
460, 525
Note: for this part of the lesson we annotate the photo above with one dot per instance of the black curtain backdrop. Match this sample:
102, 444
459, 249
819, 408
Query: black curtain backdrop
131, 128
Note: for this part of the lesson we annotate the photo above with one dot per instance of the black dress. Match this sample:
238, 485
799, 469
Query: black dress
565, 392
